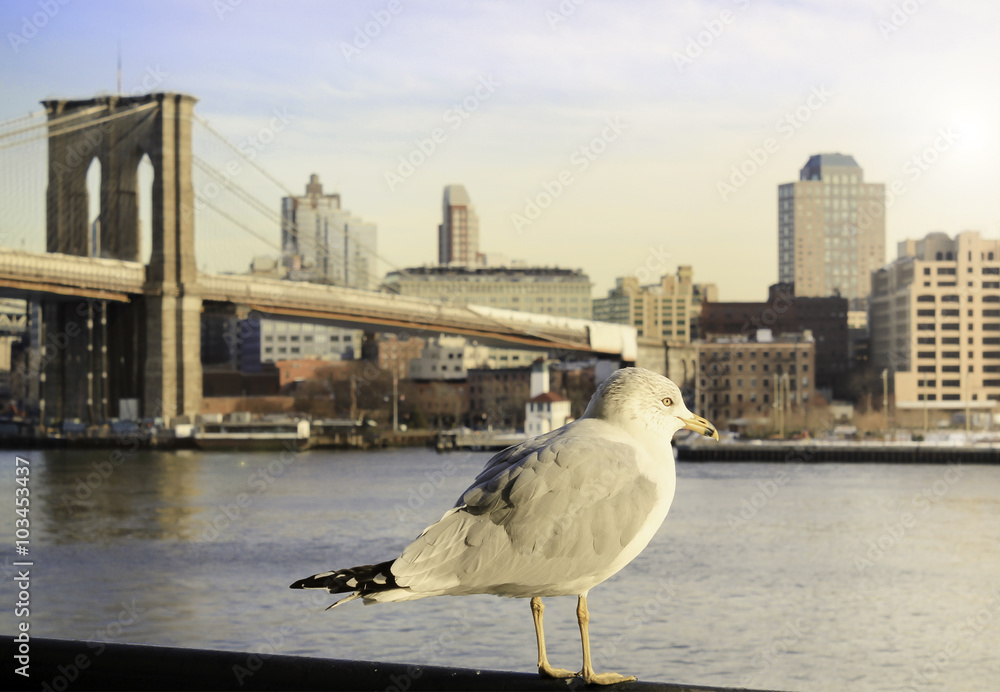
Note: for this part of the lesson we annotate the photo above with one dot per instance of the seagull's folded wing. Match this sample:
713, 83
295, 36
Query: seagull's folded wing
541, 515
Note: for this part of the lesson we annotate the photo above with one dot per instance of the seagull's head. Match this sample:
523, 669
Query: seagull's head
641, 399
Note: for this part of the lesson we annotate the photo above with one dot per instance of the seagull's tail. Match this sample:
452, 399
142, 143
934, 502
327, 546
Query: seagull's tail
363, 581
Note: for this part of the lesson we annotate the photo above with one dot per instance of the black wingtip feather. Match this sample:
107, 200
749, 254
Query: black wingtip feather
363, 579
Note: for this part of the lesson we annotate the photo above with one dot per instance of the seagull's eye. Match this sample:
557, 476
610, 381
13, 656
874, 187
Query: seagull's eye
667, 401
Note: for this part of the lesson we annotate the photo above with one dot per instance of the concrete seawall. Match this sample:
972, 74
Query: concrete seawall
59, 665
893, 453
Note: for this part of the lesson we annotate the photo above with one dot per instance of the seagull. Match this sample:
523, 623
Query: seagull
555, 515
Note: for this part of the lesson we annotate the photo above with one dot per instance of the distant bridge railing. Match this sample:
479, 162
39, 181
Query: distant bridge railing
107, 279
354, 306
88, 277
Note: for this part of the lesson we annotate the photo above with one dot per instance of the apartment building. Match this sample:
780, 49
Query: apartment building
935, 322
736, 381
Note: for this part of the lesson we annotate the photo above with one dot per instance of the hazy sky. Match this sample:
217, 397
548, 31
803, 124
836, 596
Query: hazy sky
641, 109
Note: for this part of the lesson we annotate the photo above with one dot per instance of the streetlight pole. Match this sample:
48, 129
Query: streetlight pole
968, 407
885, 398
777, 406
395, 386
784, 401
923, 386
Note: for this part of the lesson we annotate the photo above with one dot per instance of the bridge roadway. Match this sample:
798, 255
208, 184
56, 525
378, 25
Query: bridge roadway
23, 274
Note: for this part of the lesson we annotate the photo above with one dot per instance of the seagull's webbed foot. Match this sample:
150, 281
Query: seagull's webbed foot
547, 671
592, 678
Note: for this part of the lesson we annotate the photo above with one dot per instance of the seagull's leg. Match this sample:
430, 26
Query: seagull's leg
544, 669
589, 676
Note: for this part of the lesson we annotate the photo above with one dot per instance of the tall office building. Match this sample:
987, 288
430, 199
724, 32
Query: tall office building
458, 234
831, 230
322, 242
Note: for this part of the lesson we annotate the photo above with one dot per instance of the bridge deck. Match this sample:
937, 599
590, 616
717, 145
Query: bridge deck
27, 273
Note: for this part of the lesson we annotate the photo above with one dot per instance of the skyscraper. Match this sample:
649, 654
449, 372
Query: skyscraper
458, 234
831, 230
324, 243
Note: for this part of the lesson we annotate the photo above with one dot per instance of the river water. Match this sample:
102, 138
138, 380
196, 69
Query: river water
783, 576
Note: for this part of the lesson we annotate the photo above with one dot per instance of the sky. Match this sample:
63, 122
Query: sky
620, 138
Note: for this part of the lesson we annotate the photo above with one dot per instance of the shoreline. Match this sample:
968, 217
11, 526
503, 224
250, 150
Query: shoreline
797, 451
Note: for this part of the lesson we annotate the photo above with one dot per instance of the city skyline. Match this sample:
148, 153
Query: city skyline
664, 146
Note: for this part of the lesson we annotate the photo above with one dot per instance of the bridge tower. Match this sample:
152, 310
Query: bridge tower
152, 345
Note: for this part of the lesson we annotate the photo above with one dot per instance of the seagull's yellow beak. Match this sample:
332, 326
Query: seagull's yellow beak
701, 426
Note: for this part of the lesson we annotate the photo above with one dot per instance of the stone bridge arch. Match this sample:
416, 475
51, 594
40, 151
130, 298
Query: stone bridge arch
119, 131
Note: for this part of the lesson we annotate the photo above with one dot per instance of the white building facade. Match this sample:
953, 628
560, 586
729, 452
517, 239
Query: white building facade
934, 321
323, 243
297, 340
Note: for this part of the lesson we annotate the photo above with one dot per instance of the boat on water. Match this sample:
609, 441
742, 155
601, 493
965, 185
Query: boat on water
245, 433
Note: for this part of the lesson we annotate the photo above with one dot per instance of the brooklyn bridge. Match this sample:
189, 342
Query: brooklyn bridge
113, 325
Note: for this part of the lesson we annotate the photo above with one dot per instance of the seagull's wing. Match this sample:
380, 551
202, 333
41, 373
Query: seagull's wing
540, 515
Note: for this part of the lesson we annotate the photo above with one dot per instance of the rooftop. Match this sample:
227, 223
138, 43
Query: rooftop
458, 271
547, 397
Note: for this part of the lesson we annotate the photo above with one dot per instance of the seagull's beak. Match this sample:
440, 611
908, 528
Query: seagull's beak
700, 426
